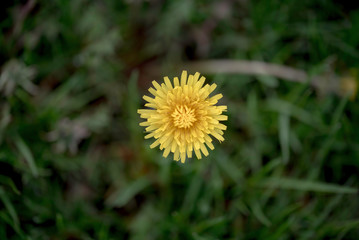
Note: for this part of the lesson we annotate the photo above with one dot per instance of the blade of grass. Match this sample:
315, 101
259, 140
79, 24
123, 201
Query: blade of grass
26, 153
284, 136
304, 185
329, 141
7, 219
8, 181
133, 104
258, 213
265, 170
122, 196
9, 207
292, 110
200, 227
191, 195
228, 166
331, 205
60, 222
268, 80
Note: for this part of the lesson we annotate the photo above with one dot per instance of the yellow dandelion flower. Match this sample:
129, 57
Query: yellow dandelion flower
183, 116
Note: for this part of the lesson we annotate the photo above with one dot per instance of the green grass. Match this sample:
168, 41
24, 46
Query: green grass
73, 161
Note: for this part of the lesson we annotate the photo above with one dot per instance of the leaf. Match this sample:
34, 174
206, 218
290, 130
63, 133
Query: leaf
59, 222
15, 74
26, 153
210, 223
9, 207
294, 111
265, 170
5, 217
284, 136
269, 81
122, 196
192, 195
228, 167
326, 146
8, 181
4, 120
133, 104
304, 185
258, 213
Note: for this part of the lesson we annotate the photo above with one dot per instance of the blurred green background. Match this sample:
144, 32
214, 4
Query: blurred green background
73, 161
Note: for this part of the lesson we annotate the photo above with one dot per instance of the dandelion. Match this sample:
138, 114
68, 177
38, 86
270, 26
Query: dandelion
183, 116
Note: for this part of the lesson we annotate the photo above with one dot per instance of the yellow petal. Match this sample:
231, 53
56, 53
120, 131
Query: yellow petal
144, 124
176, 82
216, 135
195, 77
183, 157
183, 78
204, 149
190, 80
210, 145
213, 86
166, 152
176, 155
189, 154
148, 99
197, 145
198, 154
168, 83
155, 144
221, 126
156, 85
221, 117
174, 146
199, 84
150, 135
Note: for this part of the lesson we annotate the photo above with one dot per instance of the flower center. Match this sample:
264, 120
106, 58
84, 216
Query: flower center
183, 116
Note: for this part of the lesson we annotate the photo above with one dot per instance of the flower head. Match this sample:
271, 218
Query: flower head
183, 116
